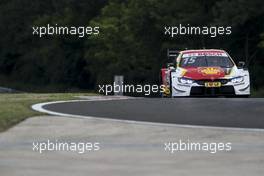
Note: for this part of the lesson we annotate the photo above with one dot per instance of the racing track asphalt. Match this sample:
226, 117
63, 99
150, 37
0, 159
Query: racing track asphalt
219, 112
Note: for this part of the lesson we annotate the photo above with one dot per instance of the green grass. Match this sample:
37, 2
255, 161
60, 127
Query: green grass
15, 108
257, 93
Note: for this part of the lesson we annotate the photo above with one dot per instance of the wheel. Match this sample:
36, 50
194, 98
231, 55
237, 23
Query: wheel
243, 96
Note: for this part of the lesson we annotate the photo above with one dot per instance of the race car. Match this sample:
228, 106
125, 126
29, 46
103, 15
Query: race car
205, 72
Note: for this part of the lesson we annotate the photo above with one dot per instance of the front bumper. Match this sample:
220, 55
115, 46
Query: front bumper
197, 88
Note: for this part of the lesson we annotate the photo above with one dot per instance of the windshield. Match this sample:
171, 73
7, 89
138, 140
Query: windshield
206, 61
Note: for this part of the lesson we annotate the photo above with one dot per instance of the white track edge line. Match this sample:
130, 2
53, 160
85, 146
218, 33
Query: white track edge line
39, 107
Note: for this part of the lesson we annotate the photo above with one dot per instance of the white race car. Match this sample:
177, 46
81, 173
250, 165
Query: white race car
207, 72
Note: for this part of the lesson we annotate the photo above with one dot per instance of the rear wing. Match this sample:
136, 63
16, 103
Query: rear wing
172, 53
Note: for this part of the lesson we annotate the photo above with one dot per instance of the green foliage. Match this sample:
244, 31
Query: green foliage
131, 40
50, 60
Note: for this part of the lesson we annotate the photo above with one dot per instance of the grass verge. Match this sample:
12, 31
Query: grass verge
15, 108
257, 93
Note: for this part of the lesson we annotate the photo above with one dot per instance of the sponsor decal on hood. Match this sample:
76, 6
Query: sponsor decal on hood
198, 73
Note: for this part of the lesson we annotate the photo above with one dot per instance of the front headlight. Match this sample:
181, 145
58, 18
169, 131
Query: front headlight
185, 81
238, 79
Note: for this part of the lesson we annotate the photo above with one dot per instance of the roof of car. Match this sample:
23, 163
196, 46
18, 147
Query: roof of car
202, 50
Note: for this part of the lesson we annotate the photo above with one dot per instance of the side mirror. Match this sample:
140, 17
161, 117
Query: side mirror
241, 64
170, 65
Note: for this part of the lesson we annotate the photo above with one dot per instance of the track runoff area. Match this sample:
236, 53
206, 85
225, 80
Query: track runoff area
233, 113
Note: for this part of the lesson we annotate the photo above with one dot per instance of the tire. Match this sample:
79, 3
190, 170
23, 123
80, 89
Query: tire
243, 96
